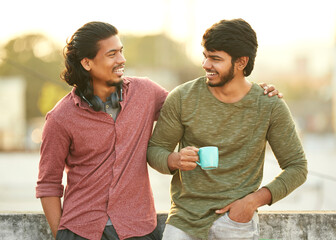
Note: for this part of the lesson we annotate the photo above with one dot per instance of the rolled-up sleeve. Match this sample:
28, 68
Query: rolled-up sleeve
54, 150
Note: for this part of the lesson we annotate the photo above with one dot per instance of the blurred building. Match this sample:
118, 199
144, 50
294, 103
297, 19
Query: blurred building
12, 112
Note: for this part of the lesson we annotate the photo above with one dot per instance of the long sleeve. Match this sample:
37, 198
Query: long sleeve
167, 133
192, 116
286, 146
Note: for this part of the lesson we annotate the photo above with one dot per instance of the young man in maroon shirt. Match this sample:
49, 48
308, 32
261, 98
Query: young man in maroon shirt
99, 133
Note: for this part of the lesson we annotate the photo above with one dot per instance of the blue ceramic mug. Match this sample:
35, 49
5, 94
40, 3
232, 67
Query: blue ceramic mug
208, 157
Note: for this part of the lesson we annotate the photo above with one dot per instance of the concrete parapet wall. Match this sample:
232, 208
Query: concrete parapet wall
273, 225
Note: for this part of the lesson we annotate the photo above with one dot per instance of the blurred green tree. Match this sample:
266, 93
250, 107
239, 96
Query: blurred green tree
50, 94
39, 61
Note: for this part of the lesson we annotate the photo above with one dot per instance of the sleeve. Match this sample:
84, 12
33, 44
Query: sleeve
160, 97
54, 150
167, 133
287, 148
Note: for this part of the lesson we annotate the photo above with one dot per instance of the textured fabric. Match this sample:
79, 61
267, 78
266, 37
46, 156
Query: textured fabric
105, 161
192, 116
222, 229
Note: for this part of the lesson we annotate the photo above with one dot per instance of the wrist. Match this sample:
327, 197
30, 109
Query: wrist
172, 159
260, 198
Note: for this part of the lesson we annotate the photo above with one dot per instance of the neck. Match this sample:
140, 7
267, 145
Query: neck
103, 92
233, 91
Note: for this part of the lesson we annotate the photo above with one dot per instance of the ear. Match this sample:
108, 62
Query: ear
86, 64
242, 62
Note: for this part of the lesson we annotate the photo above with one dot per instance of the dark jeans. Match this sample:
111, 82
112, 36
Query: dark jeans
108, 234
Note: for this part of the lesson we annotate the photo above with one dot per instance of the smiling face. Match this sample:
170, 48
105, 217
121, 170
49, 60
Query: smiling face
218, 67
107, 67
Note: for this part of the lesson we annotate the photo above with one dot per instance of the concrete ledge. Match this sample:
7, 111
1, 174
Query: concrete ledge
273, 225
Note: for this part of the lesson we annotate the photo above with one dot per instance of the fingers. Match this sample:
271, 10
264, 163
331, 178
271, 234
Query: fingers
223, 210
263, 85
189, 152
187, 158
273, 93
270, 90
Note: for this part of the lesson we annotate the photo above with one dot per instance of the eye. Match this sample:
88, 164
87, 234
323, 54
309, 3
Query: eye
216, 58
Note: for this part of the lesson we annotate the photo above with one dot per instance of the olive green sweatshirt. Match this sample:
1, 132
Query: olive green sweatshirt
192, 116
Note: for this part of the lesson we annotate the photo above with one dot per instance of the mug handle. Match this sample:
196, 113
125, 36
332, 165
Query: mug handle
198, 162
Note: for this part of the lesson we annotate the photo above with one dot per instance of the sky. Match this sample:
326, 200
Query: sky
286, 27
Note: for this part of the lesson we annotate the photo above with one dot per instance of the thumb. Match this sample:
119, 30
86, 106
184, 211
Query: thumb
223, 210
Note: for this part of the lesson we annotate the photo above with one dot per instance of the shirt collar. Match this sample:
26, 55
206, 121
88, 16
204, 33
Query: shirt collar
78, 100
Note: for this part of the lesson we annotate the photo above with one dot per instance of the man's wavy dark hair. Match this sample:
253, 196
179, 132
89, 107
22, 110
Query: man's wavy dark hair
84, 44
235, 37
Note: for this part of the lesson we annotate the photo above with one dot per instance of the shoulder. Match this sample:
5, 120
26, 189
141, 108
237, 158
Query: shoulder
191, 85
60, 112
258, 92
141, 82
272, 105
145, 91
189, 88
184, 93
145, 86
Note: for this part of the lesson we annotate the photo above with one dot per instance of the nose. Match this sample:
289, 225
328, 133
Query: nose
121, 59
206, 63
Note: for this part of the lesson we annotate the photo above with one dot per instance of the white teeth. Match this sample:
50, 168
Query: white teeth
210, 74
119, 70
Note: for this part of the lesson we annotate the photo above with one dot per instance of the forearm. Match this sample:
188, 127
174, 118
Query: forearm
259, 198
290, 178
53, 211
157, 158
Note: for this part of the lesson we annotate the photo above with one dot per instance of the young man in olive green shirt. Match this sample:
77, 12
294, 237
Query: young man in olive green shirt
226, 110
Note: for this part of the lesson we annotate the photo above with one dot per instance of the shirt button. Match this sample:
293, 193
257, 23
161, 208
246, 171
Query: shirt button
107, 106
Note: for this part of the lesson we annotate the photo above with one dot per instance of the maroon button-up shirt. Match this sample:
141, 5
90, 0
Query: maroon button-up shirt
105, 162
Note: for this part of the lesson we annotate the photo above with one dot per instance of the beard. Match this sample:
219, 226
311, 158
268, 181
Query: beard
114, 84
223, 80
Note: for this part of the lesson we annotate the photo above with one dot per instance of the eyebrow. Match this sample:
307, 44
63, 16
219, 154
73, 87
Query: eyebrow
114, 50
212, 56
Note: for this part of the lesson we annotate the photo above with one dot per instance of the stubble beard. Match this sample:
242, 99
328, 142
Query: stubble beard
224, 80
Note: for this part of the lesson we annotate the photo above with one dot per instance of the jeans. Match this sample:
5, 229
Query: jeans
222, 229
108, 234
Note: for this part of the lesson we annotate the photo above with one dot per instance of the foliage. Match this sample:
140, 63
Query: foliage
38, 60
50, 94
